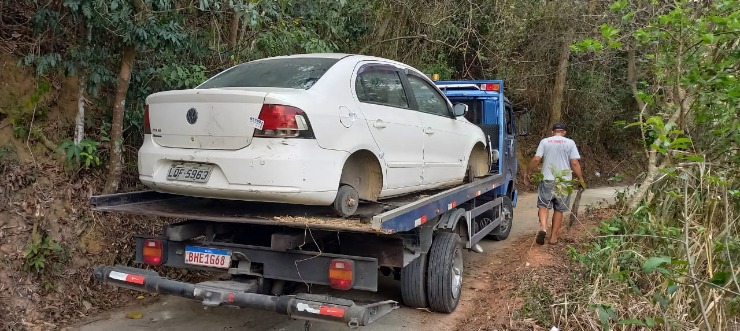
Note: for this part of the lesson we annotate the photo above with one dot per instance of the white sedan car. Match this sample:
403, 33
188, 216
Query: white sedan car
312, 129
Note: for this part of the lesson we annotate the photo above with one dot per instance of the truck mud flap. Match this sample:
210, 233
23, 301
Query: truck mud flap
299, 306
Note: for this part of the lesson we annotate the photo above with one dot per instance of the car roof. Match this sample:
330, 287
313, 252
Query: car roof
322, 55
339, 56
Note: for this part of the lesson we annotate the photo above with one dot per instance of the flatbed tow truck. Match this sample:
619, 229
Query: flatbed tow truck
268, 250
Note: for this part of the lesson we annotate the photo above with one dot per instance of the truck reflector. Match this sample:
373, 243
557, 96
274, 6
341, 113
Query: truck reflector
331, 311
420, 220
129, 278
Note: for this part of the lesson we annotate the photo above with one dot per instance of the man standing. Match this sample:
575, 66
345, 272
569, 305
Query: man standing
560, 157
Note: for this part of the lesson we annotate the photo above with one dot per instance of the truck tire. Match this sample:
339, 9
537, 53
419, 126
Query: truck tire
414, 283
347, 201
502, 231
445, 272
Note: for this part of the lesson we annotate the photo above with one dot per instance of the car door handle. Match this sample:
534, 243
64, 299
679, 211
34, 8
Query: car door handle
429, 131
379, 124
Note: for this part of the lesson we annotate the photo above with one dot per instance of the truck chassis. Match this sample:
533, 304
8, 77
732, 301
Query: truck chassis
418, 238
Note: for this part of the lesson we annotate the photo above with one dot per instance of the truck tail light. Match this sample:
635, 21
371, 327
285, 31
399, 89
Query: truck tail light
280, 121
490, 87
147, 124
152, 252
341, 274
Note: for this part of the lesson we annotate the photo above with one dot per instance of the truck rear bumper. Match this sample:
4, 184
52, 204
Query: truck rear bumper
299, 306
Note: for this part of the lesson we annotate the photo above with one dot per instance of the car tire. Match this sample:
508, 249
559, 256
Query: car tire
414, 283
502, 231
445, 272
347, 201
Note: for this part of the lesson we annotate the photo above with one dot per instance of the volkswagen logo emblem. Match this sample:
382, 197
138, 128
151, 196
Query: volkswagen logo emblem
192, 116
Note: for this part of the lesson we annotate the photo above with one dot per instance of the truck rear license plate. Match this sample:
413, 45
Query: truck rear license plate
207, 257
190, 172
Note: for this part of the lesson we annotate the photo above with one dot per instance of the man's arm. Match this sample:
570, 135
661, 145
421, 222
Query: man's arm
532, 166
576, 167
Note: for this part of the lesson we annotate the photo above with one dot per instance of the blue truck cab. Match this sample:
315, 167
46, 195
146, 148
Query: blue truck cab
495, 115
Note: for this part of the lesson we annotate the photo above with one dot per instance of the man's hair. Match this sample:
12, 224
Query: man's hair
558, 126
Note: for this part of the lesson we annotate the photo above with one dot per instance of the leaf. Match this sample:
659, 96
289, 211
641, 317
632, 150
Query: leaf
694, 158
720, 278
618, 6
654, 262
603, 317
608, 31
682, 143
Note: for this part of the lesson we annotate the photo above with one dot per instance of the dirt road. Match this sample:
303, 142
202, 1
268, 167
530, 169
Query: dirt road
171, 313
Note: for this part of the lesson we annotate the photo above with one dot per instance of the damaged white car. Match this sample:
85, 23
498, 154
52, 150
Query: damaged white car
312, 129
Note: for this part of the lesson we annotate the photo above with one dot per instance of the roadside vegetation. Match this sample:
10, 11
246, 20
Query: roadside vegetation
648, 88
671, 259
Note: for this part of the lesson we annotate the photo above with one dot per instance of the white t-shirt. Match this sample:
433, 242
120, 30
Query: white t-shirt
556, 153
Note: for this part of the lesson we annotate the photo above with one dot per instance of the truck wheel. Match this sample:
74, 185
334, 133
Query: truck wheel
346, 202
502, 231
414, 283
445, 273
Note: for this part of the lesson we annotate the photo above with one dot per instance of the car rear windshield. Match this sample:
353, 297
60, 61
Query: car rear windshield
296, 73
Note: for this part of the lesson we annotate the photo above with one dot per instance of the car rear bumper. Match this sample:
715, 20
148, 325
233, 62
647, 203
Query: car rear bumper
295, 171
300, 306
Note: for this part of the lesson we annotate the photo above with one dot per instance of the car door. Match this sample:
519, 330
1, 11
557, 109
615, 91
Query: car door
395, 128
445, 138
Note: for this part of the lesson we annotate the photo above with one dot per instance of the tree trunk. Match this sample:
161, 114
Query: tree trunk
234, 29
80, 118
115, 167
556, 108
653, 169
632, 78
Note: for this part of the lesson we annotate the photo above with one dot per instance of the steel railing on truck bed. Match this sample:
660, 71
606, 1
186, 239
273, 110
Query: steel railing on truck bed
389, 216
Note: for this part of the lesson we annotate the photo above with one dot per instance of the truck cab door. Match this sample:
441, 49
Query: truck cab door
510, 146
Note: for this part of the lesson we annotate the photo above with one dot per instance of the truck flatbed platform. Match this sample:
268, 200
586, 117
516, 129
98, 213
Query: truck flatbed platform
388, 216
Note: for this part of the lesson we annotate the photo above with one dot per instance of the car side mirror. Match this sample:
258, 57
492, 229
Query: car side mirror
524, 123
460, 109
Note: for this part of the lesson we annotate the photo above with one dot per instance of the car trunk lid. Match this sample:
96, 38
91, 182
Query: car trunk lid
204, 118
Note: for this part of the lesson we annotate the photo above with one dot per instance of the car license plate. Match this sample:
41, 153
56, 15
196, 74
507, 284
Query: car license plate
207, 257
190, 172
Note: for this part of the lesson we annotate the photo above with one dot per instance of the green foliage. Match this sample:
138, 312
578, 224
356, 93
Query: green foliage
30, 109
8, 152
83, 154
616, 178
537, 302
39, 251
177, 76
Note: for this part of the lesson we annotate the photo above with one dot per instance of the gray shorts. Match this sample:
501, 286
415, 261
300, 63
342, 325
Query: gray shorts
549, 198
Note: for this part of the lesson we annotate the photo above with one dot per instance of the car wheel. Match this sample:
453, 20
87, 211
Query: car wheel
347, 201
445, 273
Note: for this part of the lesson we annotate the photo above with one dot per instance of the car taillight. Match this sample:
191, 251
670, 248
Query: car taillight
341, 275
147, 125
152, 252
280, 121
